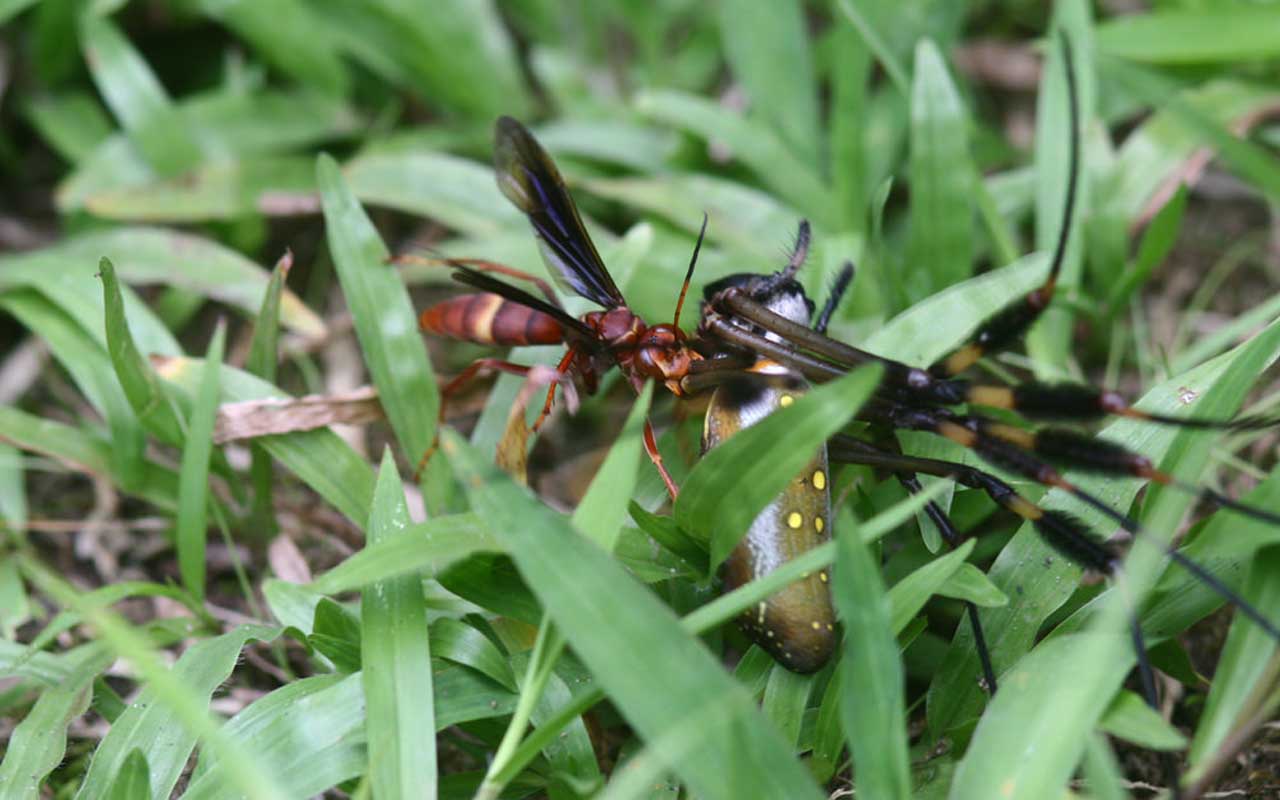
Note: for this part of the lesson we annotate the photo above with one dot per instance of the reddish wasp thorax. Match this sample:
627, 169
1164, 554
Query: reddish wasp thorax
507, 316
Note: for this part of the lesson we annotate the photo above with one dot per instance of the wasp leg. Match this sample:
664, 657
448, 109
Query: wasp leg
481, 265
651, 449
473, 371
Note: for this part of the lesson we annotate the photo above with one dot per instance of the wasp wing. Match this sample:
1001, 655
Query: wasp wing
532, 182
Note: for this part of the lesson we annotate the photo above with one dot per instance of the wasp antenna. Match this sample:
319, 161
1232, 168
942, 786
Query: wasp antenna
688, 275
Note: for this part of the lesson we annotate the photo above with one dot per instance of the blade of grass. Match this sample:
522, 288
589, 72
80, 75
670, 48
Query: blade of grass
1192, 36
456, 641
429, 547
289, 35
136, 97
941, 246
133, 781
397, 662
600, 514
873, 708
384, 319
38, 743
311, 732
664, 681
781, 169
264, 351
193, 477
767, 47
91, 369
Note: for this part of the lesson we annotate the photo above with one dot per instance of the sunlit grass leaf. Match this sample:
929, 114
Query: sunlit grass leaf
941, 247
275, 186
336, 633
872, 707
786, 695
456, 641
143, 390
158, 729
13, 495
154, 256
1130, 718
1192, 36
136, 97
736, 480
84, 449
311, 732
87, 363
600, 514
1093, 666
767, 47
1249, 160
384, 319
932, 327
288, 35
780, 168
237, 123
1247, 657
458, 192
133, 782
37, 744
909, 595
193, 478
396, 660
428, 547
72, 123
1155, 245
663, 680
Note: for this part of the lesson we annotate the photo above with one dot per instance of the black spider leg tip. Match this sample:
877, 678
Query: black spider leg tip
770, 284
843, 279
953, 539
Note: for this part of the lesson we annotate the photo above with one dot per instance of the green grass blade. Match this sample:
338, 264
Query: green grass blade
193, 478
384, 319
1192, 36
786, 695
289, 36
144, 391
872, 706
780, 168
767, 47
264, 352
600, 514
87, 363
456, 641
397, 662
941, 247
311, 732
429, 547
935, 325
664, 681
735, 481
136, 97
1245, 660
39, 741
133, 781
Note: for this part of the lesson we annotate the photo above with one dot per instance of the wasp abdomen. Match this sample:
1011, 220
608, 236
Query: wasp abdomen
796, 625
490, 319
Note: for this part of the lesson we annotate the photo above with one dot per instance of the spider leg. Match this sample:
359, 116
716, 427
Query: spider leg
848, 452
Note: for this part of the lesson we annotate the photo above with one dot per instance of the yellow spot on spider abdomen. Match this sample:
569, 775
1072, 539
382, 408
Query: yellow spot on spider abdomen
822, 576
817, 626
786, 400
819, 524
795, 519
819, 480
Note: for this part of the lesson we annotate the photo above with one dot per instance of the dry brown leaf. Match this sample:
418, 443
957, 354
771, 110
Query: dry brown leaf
254, 418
